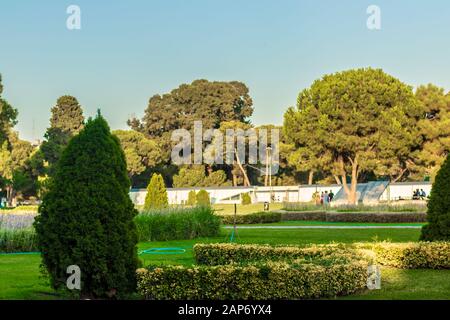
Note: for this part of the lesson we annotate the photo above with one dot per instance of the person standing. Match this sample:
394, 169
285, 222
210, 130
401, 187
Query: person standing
331, 196
326, 199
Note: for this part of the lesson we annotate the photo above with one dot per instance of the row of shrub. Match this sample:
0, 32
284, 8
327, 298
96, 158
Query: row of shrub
224, 253
177, 224
17, 240
302, 206
363, 217
271, 280
253, 218
414, 255
411, 255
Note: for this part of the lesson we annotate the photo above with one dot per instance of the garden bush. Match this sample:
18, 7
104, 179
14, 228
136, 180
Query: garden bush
362, 217
246, 199
379, 208
252, 218
191, 198
417, 255
438, 227
86, 216
373, 217
156, 197
271, 280
224, 253
202, 198
177, 224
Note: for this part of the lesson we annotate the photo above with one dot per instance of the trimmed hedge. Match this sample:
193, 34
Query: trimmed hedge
272, 280
225, 253
420, 255
369, 217
252, 218
429, 255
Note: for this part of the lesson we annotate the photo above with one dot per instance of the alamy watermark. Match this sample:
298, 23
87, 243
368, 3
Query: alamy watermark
239, 146
374, 20
73, 21
74, 280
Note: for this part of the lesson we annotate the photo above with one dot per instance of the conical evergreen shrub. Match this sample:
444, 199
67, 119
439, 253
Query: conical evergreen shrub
156, 197
438, 216
203, 199
86, 217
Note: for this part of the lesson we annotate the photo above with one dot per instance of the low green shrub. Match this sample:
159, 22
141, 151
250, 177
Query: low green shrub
304, 216
362, 217
177, 224
17, 240
225, 253
272, 280
417, 255
252, 218
191, 198
310, 206
412, 217
246, 199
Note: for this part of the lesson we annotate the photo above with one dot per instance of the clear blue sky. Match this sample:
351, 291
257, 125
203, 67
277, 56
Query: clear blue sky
130, 50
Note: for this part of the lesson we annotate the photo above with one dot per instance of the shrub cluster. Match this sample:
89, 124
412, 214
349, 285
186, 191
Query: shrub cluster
272, 280
224, 253
438, 228
379, 208
246, 199
363, 217
252, 218
418, 255
177, 224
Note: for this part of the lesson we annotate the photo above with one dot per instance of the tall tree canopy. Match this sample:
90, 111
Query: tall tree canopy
66, 121
140, 152
8, 116
355, 121
435, 131
210, 102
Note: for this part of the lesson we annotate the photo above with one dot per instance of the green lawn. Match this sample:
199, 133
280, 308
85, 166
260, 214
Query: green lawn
19, 274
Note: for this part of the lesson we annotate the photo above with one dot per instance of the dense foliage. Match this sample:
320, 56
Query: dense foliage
438, 227
353, 122
272, 280
246, 199
86, 217
156, 197
202, 198
252, 218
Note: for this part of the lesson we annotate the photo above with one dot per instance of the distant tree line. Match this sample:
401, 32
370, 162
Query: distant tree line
347, 127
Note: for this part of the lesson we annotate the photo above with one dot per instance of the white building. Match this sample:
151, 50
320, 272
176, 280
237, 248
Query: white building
367, 193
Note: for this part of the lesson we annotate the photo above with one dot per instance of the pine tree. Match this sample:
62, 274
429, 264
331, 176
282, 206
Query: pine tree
86, 217
66, 121
438, 227
156, 197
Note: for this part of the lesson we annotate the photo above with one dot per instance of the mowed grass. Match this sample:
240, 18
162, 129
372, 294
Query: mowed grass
20, 276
